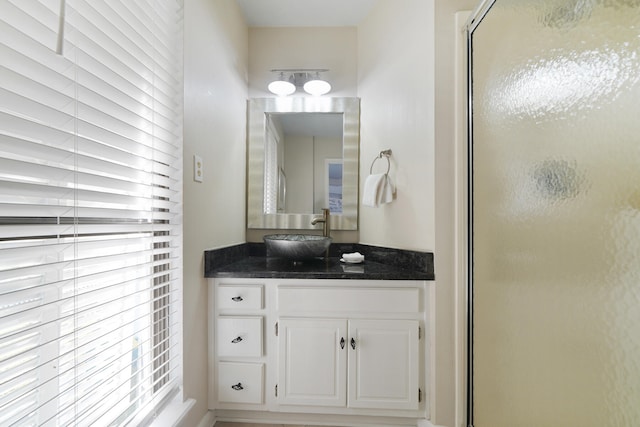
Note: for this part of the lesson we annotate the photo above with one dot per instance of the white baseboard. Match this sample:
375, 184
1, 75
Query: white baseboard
427, 424
284, 419
208, 420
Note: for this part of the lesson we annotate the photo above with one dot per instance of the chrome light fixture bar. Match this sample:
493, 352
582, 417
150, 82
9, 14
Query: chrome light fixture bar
289, 80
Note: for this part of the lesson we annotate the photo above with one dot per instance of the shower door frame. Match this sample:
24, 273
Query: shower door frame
474, 20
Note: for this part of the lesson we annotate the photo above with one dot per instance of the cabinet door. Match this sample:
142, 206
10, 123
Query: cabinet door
312, 362
383, 364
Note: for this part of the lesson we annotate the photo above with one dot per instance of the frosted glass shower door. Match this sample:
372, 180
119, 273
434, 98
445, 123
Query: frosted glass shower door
555, 214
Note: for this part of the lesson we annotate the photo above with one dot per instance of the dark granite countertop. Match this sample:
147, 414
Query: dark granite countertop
250, 261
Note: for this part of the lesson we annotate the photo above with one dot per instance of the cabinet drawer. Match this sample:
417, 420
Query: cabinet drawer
239, 336
240, 382
300, 299
241, 297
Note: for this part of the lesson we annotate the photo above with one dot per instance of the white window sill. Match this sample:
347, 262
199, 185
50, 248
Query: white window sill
172, 413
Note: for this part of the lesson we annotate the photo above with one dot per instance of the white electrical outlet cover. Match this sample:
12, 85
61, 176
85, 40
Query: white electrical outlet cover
198, 168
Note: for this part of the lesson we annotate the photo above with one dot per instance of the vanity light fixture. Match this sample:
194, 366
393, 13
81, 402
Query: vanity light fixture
316, 86
308, 79
282, 86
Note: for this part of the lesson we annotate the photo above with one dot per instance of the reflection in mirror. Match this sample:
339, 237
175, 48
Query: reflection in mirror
303, 163
302, 157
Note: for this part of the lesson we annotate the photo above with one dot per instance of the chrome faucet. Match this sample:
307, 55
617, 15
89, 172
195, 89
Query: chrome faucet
326, 222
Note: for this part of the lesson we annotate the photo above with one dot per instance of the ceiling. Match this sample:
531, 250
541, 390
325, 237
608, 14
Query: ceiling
305, 13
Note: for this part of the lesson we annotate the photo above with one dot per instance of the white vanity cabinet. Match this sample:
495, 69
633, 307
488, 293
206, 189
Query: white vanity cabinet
348, 363
354, 345
309, 348
237, 321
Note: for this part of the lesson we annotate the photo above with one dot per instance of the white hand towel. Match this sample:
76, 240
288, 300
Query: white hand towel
387, 192
372, 189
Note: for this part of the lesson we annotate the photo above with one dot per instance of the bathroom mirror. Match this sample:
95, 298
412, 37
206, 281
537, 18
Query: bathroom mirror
302, 157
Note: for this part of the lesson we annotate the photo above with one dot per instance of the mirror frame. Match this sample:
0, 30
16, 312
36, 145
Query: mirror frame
257, 110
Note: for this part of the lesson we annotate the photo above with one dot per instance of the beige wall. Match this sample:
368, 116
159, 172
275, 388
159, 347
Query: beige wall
331, 48
298, 155
215, 67
396, 87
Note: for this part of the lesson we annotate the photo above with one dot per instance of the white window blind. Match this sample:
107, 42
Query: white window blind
90, 210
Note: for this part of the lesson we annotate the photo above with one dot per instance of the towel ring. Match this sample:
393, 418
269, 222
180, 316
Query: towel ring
385, 153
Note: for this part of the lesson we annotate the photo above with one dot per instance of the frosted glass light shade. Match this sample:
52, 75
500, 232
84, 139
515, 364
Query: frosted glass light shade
317, 87
281, 87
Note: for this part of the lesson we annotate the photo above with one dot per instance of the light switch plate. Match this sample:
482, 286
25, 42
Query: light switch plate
198, 169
